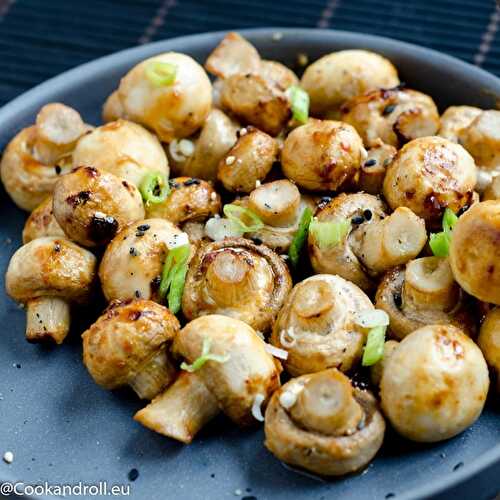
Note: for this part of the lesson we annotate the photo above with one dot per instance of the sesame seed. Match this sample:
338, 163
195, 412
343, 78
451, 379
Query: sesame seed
257, 183
8, 457
230, 160
370, 162
243, 131
238, 492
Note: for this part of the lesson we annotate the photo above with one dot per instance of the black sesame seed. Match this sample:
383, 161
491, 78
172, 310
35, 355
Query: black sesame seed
257, 241
326, 199
367, 214
388, 109
398, 300
57, 247
370, 162
133, 474
390, 495
155, 282
192, 182
457, 466
386, 162
173, 184
57, 169
358, 219
143, 227
18, 365
463, 210
212, 475
137, 294
133, 251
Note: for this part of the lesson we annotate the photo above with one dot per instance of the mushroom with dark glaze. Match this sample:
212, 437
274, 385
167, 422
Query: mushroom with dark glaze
128, 345
320, 423
47, 275
239, 279
42, 222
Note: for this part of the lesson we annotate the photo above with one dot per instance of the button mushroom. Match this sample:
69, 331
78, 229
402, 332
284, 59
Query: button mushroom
132, 263
36, 156
492, 192
47, 275
317, 325
244, 374
373, 169
378, 368
42, 222
339, 76
456, 118
395, 116
372, 243
248, 161
323, 155
434, 384
429, 174
92, 205
123, 148
320, 423
489, 341
128, 345
236, 278
112, 109
475, 252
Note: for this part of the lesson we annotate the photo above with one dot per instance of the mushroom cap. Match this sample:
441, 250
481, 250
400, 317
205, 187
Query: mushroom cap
133, 261
429, 174
395, 116
475, 251
42, 222
434, 384
489, 340
51, 267
112, 109
236, 278
189, 200
123, 148
249, 371
92, 205
317, 325
339, 76
371, 178
323, 155
492, 192
124, 338
320, 453
456, 118
280, 74
171, 111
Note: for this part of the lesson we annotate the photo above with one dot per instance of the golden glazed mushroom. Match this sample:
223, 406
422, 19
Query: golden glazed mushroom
128, 345
169, 93
239, 279
372, 174
323, 155
320, 423
394, 116
423, 293
378, 368
340, 76
318, 327
489, 341
92, 205
428, 175
475, 251
456, 118
245, 376
434, 385
492, 192
123, 148
42, 222
47, 275
36, 156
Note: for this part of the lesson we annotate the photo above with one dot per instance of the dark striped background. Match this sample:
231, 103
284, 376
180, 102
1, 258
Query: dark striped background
39, 39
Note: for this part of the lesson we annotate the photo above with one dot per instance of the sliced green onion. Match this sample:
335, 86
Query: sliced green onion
299, 100
205, 356
174, 276
440, 242
234, 213
161, 74
329, 234
154, 188
300, 237
374, 348
449, 221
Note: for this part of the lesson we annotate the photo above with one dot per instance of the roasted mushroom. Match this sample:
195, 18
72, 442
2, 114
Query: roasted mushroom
423, 293
394, 116
373, 242
239, 279
92, 205
47, 275
489, 341
169, 93
492, 192
112, 109
128, 345
42, 222
372, 174
248, 161
132, 263
123, 148
428, 175
323, 155
36, 156
434, 384
320, 423
318, 327
475, 251
340, 76
244, 375
456, 118
378, 368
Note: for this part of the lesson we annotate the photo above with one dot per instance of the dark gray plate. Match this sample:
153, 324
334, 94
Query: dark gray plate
63, 429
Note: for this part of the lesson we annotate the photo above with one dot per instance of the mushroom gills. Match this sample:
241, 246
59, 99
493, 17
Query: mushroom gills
47, 319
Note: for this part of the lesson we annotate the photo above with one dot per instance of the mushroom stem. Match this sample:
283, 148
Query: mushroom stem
158, 373
182, 410
47, 319
429, 284
390, 242
327, 405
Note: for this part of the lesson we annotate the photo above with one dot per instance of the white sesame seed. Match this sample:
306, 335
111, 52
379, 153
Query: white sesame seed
238, 492
8, 457
257, 183
213, 195
230, 160
243, 131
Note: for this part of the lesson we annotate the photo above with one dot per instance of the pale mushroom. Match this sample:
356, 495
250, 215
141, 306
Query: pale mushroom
112, 109
489, 341
378, 368
492, 192
42, 222
456, 118
373, 169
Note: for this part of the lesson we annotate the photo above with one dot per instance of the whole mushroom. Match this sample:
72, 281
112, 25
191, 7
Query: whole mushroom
489, 341
41, 222
434, 384
456, 118
47, 275
128, 345
320, 423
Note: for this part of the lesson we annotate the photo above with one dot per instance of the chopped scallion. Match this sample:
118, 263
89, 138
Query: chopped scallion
374, 348
234, 213
154, 188
161, 74
300, 236
205, 356
299, 100
329, 234
174, 276
440, 242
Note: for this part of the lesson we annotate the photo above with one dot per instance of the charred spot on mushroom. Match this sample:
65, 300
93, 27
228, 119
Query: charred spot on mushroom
57, 247
79, 198
134, 252
155, 283
191, 182
102, 229
57, 168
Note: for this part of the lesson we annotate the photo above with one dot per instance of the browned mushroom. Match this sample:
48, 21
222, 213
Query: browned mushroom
42, 222
489, 342
372, 174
